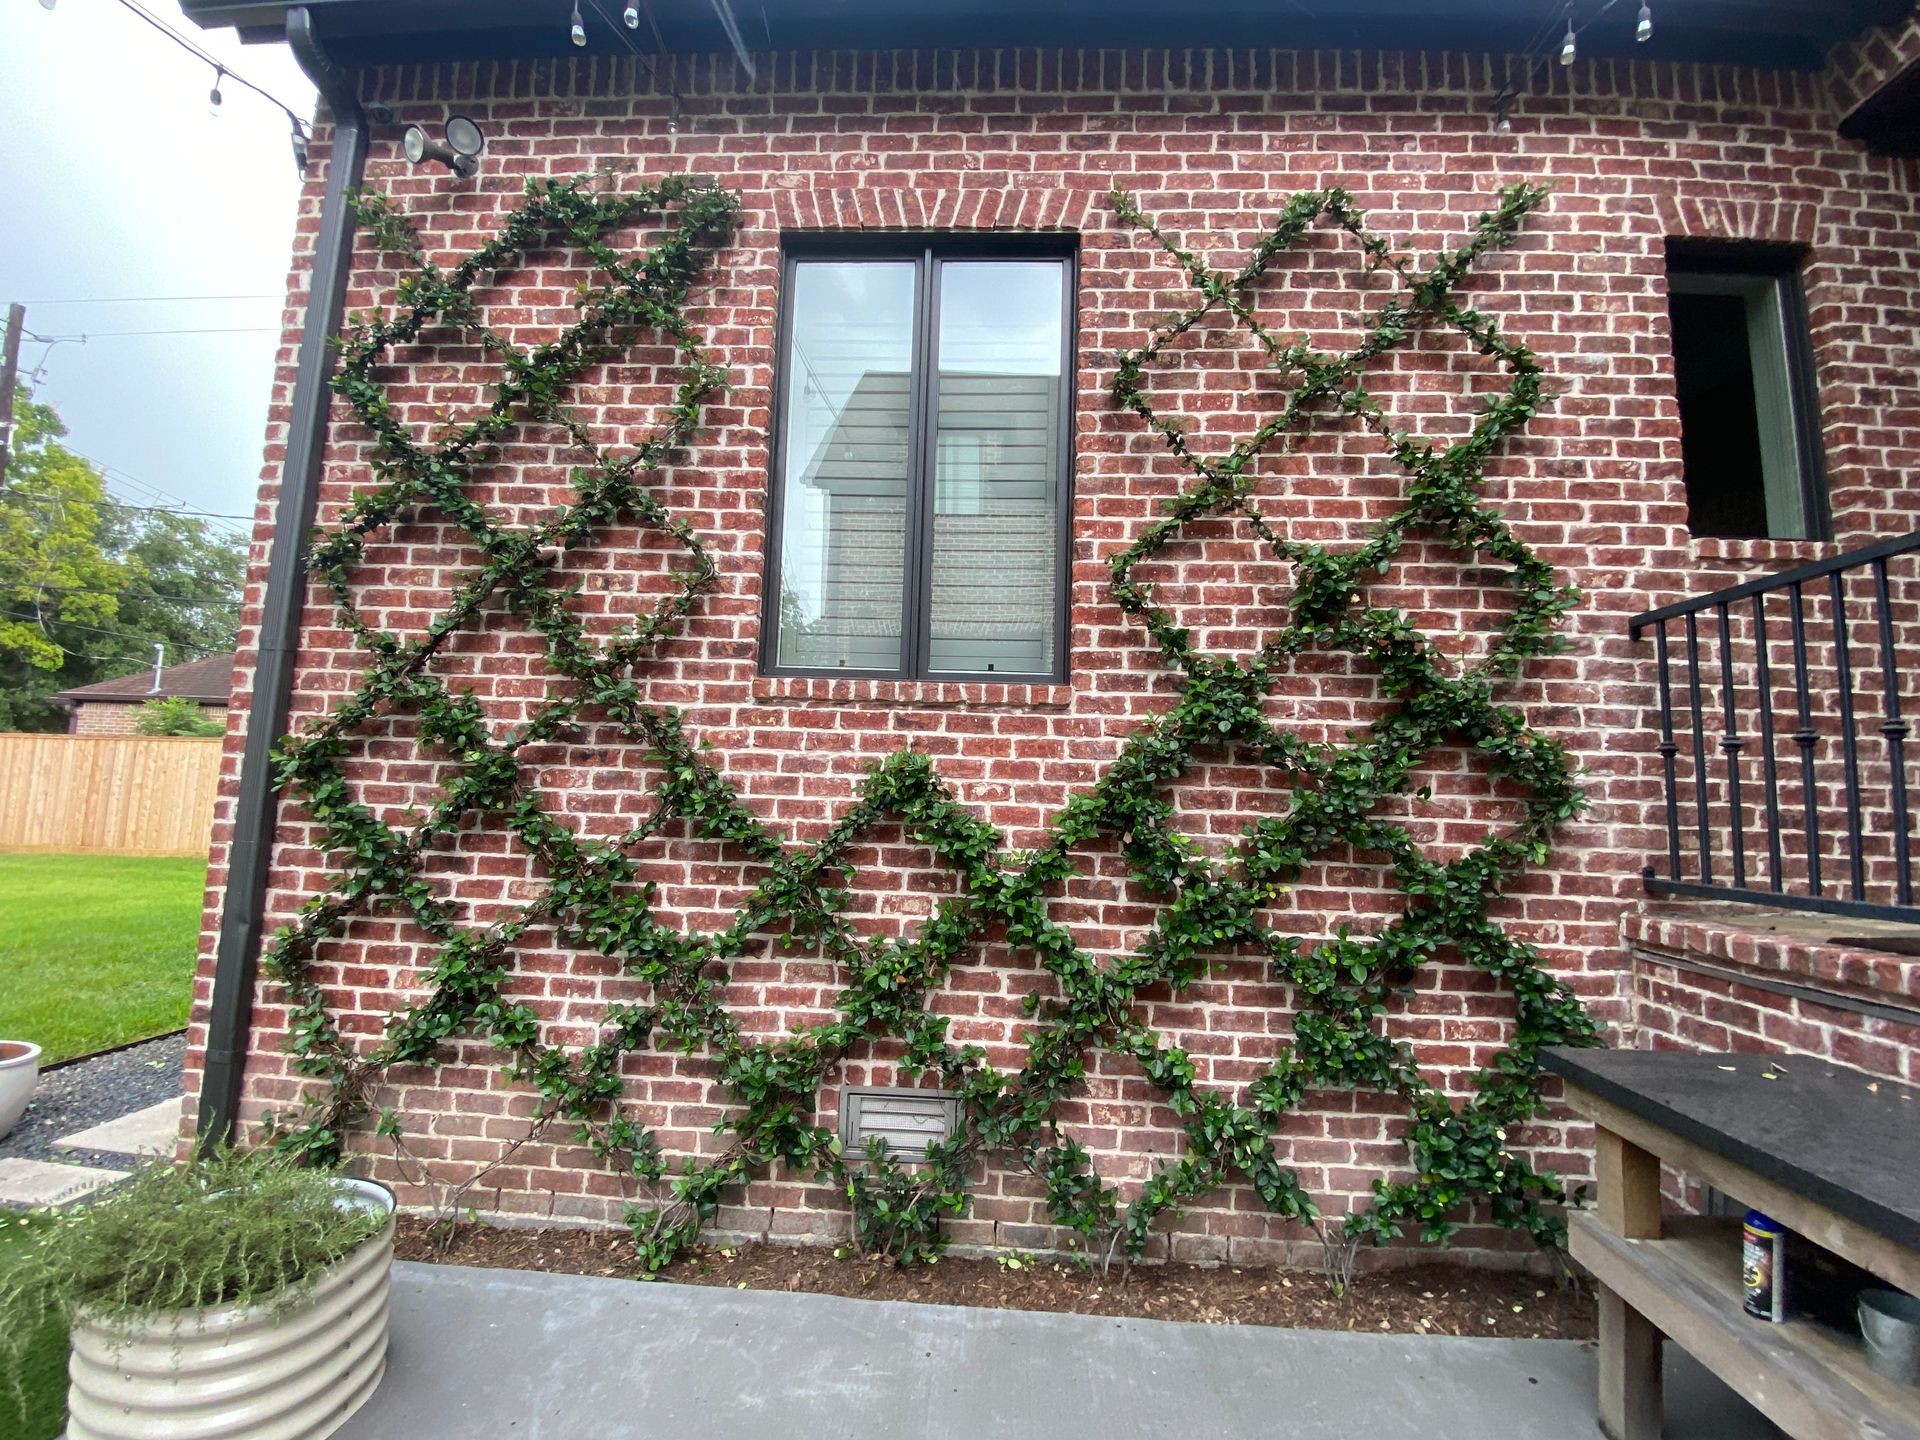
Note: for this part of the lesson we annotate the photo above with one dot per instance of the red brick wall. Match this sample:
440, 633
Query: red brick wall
1855, 71
96, 717
1211, 144
1712, 982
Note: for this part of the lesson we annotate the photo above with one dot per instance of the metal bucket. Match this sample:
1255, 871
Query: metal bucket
1890, 1324
243, 1370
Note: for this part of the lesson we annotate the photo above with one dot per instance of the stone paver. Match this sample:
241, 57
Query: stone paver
33, 1183
151, 1131
557, 1357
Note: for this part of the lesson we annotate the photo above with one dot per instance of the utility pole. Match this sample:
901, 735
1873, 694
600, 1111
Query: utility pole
9, 377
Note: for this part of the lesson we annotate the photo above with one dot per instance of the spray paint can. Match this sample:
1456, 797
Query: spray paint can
1763, 1266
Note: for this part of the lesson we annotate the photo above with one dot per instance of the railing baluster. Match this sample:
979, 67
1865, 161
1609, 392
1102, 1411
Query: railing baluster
1843, 668
1668, 749
1806, 738
1894, 726
1731, 745
1699, 751
1763, 679
1869, 888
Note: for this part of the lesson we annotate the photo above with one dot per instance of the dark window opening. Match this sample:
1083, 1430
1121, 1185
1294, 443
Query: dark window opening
920, 486
1749, 439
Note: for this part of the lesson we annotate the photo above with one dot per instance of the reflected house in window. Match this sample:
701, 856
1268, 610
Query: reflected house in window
922, 474
994, 551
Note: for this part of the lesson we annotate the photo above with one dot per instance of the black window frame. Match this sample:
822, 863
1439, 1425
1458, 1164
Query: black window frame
927, 251
1782, 265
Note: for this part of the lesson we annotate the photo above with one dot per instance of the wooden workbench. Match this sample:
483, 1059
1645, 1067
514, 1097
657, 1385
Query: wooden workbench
1831, 1154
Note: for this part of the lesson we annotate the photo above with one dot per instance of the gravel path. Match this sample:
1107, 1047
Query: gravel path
91, 1091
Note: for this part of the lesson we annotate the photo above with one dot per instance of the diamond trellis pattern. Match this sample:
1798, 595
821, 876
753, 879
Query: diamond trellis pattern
1210, 905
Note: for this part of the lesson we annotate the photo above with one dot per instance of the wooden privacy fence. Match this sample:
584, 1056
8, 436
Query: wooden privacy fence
108, 794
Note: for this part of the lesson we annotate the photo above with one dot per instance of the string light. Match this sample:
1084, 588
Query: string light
579, 32
1569, 47
1643, 31
1503, 117
631, 16
216, 96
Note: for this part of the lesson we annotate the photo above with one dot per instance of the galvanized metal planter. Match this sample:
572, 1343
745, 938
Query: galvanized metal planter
255, 1371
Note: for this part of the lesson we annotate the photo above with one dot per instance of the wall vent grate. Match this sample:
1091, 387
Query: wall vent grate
906, 1121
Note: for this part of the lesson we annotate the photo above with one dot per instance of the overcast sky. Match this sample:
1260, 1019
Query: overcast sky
116, 182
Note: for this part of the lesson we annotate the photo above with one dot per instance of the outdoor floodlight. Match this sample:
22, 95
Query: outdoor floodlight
459, 151
463, 134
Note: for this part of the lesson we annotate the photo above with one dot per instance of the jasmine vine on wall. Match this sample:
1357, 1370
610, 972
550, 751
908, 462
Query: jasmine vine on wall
594, 898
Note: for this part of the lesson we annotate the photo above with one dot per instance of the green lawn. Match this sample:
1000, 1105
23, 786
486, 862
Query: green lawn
96, 950
43, 1375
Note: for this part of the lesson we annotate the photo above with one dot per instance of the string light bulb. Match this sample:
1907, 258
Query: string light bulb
632, 17
1643, 31
579, 32
213, 96
1503, 117
1570, 46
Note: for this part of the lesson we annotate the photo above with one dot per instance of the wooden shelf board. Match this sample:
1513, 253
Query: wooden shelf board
1811, 1381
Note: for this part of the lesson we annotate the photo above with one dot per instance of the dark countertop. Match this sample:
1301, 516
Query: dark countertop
1848, 1140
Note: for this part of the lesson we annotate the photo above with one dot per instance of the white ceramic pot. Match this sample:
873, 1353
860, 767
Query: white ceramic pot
233, 1370
19, 1071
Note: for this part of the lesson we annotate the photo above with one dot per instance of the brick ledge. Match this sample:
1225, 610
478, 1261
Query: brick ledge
1749, 941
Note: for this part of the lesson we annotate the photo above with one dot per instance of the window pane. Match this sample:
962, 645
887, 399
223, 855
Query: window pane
843, 516
997, 467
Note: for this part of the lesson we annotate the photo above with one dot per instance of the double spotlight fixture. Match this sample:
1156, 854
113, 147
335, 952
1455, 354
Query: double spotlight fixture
459, 147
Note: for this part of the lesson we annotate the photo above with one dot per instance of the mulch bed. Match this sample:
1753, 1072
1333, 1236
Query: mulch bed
1425, 1299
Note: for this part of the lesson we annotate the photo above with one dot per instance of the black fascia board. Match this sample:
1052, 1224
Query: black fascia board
1778, 34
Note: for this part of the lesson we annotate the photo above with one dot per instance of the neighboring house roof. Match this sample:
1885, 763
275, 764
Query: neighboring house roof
1792, 33
208, 682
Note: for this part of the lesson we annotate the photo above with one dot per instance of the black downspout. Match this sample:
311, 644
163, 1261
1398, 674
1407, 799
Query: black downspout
250, 852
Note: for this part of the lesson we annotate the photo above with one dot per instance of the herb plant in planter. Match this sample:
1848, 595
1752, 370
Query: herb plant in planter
235, 1295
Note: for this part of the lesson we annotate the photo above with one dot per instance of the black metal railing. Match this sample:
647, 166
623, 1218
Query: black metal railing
1834, 819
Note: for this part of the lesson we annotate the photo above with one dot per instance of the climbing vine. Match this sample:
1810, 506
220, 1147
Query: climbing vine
594, 897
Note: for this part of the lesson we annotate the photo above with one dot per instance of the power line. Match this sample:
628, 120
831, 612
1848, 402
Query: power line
167, 499
153, 299
43, 621
116, 504
122, 334
228, 601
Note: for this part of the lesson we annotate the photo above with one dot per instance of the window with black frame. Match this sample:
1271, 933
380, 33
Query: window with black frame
1749, 433
921, 463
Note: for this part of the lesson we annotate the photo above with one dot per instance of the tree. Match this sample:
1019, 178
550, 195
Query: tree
174, 715
89, 584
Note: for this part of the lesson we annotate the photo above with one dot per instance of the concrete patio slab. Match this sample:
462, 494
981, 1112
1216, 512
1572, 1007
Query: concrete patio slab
542, 1357
152, 1131
31, 1184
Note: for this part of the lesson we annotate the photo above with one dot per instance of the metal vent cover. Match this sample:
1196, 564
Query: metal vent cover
907, 1121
